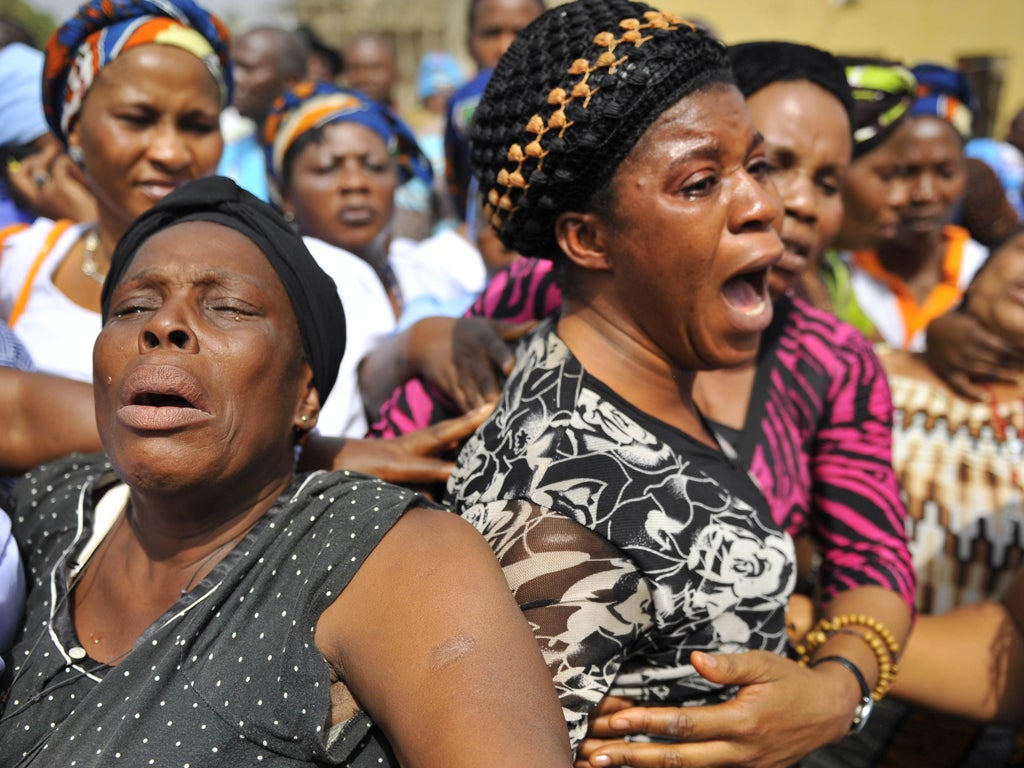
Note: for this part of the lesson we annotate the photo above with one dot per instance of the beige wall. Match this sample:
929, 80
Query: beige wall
910, 30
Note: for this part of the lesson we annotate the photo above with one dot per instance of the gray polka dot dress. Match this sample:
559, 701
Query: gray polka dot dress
230, 674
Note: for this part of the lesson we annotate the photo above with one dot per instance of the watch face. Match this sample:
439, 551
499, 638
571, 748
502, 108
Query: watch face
861, 714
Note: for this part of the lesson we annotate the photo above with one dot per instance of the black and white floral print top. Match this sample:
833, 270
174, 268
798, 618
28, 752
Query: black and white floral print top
627, 543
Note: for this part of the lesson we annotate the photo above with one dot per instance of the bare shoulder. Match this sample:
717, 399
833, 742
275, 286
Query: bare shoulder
429, 555
426, 527
434, 547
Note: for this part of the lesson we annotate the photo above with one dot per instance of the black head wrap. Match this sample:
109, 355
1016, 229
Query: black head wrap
568, 102
883, 92
313, 295
762, 63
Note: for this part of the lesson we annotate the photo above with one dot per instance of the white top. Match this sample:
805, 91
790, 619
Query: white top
57, 332
369, 319
440, 275
882, 308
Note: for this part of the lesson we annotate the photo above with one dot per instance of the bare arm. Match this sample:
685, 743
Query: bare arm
469, 686
977, 651
467, 358
967, 662
44, 417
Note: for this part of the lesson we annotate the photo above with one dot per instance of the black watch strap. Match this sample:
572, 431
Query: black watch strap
864, 707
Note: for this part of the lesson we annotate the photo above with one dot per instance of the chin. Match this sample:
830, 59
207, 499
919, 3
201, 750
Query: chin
360, 246
739, 352
160, 465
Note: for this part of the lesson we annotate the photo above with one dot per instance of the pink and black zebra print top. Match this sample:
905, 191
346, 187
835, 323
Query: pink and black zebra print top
818, 433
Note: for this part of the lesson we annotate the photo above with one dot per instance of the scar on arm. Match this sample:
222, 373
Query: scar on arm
451, 651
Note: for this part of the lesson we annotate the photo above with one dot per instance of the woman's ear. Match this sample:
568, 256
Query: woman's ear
75, 148
308, 412
287, 209
581, 236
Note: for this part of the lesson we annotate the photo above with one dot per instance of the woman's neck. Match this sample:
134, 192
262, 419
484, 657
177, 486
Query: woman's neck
619, 356
377, 252
724, 395
151, 556
109, 234
170, 525
917, 263
82, 270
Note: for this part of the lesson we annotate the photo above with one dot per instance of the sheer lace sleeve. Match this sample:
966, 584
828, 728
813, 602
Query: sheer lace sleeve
584, 598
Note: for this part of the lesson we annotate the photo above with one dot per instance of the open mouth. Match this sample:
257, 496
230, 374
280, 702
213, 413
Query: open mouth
795, 247
794, 258
161, 400
357, 217
747, 292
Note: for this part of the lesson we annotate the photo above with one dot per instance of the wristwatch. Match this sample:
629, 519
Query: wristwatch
866, 703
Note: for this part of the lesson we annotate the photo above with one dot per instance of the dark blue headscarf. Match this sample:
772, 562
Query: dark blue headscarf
945, 93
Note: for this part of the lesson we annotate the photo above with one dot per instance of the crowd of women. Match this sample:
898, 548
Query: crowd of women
731, 425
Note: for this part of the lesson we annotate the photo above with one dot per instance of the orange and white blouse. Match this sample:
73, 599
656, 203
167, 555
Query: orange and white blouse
888, 303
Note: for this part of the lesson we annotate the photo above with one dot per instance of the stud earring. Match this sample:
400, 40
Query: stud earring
77, 156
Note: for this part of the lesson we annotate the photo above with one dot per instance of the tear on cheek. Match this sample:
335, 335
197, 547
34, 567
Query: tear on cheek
451, 651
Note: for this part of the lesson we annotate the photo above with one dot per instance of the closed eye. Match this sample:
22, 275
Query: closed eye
700, 186
130, 309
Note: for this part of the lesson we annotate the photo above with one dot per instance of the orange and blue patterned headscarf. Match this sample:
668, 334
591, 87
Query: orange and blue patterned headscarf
101, 30
945, 93
309, 106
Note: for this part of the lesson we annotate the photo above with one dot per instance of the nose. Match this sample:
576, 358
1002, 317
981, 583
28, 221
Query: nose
168, 330
168, 147
352, 177
756, 204
798, 196
922, 189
